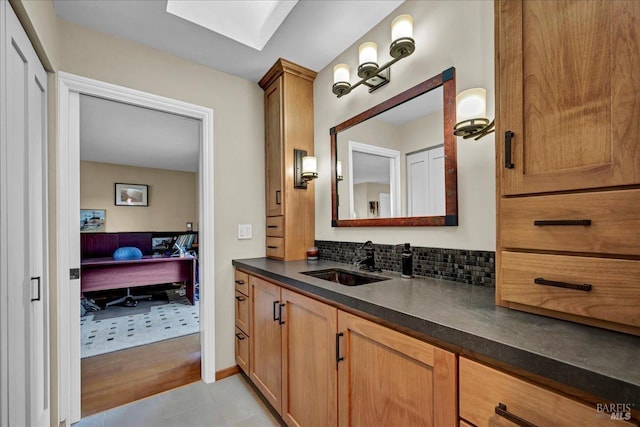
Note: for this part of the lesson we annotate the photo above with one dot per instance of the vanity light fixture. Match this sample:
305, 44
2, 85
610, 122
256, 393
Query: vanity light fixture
305, 168
371, 74
471, 110
339, 176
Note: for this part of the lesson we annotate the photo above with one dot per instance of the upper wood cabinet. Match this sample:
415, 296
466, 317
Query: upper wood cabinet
288, 94
567, 88
273, 140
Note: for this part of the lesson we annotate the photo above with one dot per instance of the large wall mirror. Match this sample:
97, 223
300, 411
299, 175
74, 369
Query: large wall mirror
395, 164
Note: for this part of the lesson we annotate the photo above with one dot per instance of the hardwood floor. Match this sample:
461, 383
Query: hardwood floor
117, 378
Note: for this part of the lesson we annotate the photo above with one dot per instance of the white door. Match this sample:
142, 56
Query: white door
384, 206
24, 248
425, 183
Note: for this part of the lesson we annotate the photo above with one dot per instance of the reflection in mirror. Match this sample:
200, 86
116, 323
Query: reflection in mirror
398, 165
395, 161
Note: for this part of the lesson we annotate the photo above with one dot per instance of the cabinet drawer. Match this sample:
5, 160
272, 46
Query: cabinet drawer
242, 350
242, 282
275, 247
614, 293
614, 216
242, 312
482, 389
275, 226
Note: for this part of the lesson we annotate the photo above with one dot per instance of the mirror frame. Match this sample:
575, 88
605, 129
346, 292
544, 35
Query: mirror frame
446, 79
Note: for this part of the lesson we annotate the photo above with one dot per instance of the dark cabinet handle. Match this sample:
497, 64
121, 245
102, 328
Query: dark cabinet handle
275, 308
338, 357
542, 222
501, 410
272, 226
239, 336
280, 321
278, 201
38, 280
541, 281
239, 298
272, 247
508, 135
239, 282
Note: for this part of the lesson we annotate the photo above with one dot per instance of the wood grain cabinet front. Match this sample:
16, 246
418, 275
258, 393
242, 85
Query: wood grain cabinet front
491, 398
568, 158
293, 354
390, 379
290, 211
319, 366
243, 322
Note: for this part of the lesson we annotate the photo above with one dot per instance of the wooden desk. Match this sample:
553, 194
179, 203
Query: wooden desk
100, 274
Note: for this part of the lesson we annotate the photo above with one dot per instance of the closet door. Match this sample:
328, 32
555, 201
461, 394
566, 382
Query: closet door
24, 224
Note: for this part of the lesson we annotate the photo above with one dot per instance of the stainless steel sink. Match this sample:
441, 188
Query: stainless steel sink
344, 277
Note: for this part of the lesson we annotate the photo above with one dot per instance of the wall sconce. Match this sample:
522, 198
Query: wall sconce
305, 168
339, 176
371, 74
471, 110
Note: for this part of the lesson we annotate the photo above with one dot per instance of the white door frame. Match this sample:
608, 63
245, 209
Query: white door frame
394, 173
67, 221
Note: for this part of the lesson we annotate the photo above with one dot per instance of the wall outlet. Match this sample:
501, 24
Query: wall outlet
244, 231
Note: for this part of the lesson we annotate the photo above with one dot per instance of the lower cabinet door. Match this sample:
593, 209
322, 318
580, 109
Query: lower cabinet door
266, 346
390, 379
309, 394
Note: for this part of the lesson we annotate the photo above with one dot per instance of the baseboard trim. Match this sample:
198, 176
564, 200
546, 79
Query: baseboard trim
224, 373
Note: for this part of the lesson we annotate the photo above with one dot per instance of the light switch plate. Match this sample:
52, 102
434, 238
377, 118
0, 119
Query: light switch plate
244, 231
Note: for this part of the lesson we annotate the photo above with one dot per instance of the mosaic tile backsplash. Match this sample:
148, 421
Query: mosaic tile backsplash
473, 267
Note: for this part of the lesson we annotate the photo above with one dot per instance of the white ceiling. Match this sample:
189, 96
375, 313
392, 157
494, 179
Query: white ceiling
370, 168
420, 106
113, 132
313, 33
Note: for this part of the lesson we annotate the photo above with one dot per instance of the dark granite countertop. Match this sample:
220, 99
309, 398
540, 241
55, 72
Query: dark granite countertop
600, 362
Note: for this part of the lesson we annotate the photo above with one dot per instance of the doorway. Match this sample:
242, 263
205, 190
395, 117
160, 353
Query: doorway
68, 220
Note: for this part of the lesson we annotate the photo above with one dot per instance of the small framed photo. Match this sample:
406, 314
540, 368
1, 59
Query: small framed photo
92, 220
132, 194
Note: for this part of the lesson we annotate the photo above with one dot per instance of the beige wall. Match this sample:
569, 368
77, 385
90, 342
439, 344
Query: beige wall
238, 143
442, 40
172, 196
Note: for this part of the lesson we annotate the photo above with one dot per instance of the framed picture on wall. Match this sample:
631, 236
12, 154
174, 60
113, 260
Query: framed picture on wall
92, 220
131, 194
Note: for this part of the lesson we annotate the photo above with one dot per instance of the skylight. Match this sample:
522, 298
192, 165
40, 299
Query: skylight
250, 22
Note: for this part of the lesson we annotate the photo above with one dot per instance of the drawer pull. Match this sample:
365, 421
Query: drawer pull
239, 336
278, 201
272, 247
540, 222
508, 135
272, 226
338, 357
280, 321
239, 298
501, 410
541, 281
239, 282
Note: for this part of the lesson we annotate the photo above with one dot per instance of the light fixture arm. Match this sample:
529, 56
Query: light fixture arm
378, 73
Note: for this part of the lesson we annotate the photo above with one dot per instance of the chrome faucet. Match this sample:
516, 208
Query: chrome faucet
369, 260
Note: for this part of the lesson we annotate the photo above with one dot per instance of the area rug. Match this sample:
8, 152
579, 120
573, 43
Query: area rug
117, 328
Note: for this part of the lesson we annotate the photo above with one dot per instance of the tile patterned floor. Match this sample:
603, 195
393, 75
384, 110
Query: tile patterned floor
230, 402
175, 318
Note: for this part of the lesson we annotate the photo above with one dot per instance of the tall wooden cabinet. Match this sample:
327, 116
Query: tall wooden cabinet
568, 159
288, 94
